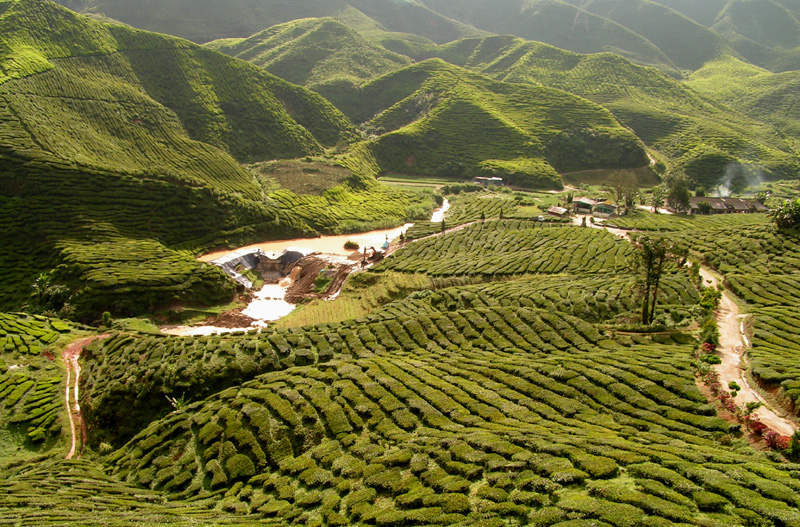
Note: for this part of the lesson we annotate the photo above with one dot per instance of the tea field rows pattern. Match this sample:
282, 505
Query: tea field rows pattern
30, 383
467, 437
512, 248
761, 266
200, 366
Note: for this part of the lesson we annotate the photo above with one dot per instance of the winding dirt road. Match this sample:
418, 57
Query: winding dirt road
71, 356
732, 346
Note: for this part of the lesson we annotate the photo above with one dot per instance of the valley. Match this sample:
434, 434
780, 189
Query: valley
399, 263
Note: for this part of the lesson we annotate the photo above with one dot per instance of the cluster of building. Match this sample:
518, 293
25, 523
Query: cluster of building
725, 206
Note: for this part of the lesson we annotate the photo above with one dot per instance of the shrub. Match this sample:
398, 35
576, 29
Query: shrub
351, 245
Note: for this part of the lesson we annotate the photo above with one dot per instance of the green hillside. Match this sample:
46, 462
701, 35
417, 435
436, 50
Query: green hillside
661, 26
467, 405
242, 18
697, 133
770, 97
559, 24
436, 118
762, 31
120, 158
315, 53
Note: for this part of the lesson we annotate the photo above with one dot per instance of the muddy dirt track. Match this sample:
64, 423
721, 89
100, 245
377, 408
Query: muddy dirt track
71, 357
733, 344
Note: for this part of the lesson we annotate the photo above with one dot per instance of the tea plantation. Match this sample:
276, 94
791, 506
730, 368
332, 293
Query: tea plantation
120, 154
31, 382
511, 248
761, 266
565, 427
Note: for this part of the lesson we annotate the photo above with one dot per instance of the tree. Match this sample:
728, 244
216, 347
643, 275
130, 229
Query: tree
657, 198
700, 191
678, 195
650, 256
787, 215
624, 186
704, 207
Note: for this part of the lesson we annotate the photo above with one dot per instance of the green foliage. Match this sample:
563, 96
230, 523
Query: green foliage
31, 383
474, 433
701, 137
111, 133
787, 215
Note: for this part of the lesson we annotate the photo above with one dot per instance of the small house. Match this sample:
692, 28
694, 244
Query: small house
583, 205
756, 206
717, 205
605, 209
558, 212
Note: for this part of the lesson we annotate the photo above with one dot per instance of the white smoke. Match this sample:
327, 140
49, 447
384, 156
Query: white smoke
737, 178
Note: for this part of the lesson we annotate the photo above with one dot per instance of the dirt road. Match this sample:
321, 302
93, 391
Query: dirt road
71, 356
732, 346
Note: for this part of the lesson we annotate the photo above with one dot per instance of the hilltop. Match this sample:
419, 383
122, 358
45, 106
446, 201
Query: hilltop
319, 54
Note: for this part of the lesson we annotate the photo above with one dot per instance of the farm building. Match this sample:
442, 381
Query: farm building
583, 205
726, 205
559, 212
489, 181
605, 209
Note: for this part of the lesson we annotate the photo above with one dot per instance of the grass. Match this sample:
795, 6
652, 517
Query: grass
306, 177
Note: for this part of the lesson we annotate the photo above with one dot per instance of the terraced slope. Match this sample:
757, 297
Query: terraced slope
762, 268
32, 411
463, 417
52, 493
699, 134
435, 118
318, 53
767, 96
